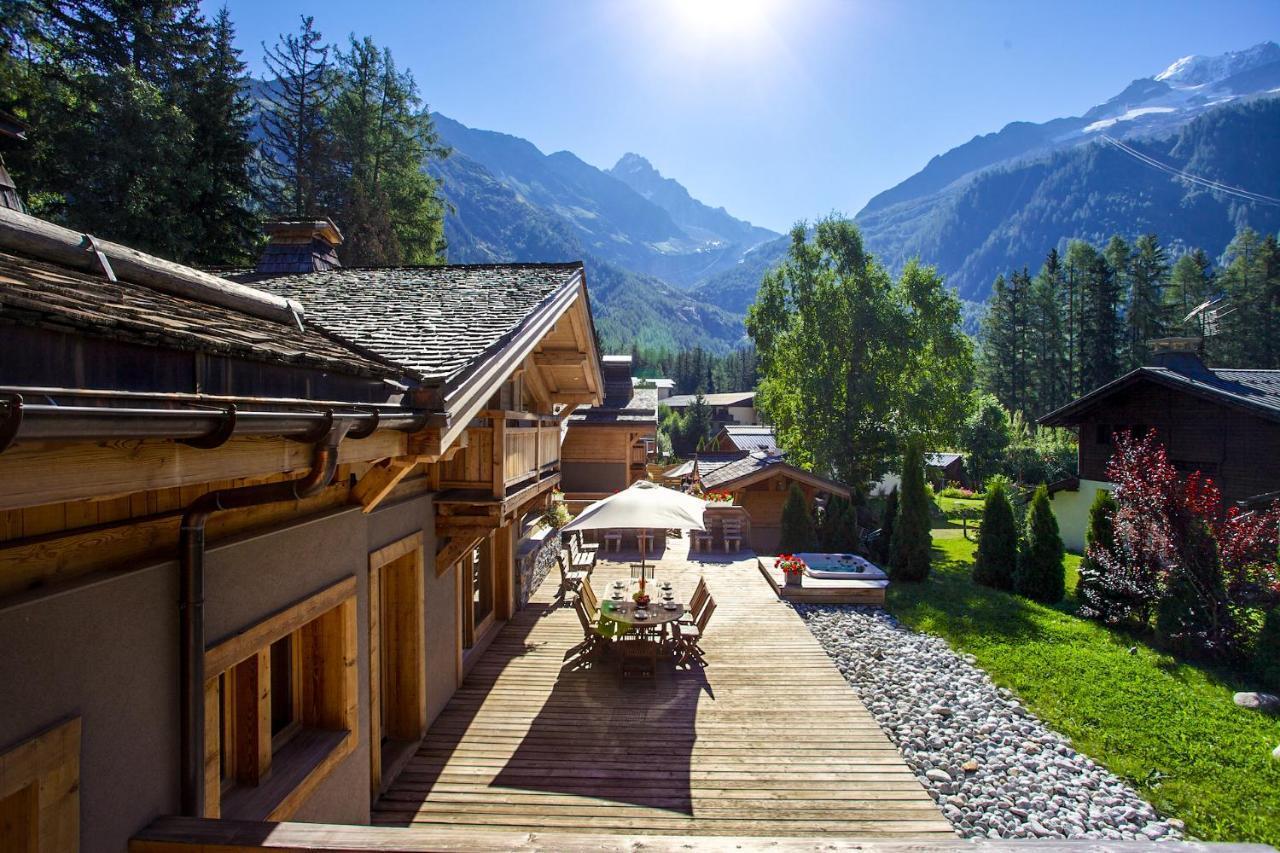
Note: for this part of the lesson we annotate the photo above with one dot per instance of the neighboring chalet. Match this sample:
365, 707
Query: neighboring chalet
734, 438
944, 468
760, 483
608, 447
664, 387
1223, 423
737, 407
251, 538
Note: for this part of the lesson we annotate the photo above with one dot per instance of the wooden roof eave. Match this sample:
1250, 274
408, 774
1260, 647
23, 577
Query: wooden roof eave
791, 471
1074, 412
467, 394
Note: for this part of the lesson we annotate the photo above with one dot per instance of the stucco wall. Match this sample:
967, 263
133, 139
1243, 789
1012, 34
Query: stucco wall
1071, 509
106, 650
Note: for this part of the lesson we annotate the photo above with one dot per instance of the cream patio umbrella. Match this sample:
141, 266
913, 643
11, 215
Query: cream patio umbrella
643, 506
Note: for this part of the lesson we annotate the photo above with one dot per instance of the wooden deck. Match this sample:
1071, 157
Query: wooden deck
768, 740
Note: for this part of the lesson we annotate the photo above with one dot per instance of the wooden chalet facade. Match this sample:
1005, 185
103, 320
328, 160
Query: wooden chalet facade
760, 483
252, 537
608, 447
1223, 423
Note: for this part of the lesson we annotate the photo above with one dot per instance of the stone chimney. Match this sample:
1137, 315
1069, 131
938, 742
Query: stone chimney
616, 370
300, 247
1181, 355
10, 128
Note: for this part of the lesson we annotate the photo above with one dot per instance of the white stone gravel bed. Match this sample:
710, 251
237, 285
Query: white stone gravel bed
994, 769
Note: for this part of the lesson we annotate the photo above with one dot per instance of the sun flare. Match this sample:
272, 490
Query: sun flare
714, 20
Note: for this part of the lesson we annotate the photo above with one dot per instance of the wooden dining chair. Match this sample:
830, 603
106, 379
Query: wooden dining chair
592, 643
589, 597
696, 601
689, 638
571, 580
731, 530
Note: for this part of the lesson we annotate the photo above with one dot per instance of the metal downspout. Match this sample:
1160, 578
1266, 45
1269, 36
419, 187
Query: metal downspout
191, 545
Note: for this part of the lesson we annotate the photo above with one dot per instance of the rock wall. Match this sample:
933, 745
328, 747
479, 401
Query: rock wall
535, 559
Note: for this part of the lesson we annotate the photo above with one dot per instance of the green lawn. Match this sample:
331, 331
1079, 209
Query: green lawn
1168, 728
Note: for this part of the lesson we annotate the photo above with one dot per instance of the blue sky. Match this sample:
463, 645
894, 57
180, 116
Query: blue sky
777, 109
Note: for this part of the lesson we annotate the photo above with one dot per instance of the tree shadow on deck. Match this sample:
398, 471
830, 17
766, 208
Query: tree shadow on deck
623, 741
594, 735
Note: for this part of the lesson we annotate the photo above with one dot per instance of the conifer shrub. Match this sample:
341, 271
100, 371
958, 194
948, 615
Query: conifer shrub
1266, 650
1041, 574
888, 517
839, 530
997, 555
1093, 589
798, 533
909, 551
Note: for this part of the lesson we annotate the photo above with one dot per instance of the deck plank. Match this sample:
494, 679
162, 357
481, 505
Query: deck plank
767, 740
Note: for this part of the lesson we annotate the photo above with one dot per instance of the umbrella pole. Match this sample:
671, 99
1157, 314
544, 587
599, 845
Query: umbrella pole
642, 539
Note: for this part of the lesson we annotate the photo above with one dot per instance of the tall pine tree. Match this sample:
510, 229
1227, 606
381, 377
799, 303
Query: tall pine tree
298, 148
1144, 314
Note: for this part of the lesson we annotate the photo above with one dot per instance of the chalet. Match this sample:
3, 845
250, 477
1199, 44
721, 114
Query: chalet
760, 483
737, 407
735, 438
944, 468
252, 535
1223, 423
608, 447
664, 387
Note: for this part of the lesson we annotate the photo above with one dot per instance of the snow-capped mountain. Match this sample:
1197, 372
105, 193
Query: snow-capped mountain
1198, 71
1162, 102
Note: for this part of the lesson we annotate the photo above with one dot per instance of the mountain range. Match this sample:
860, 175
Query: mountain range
669, 271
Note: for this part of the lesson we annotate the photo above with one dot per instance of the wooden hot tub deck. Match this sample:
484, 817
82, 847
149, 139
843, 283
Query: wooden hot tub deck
768, 740
822, 590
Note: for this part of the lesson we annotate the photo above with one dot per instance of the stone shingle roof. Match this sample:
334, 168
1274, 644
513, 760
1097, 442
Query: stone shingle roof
717, 471
1257, 391
434, 321
38, 293
641, 408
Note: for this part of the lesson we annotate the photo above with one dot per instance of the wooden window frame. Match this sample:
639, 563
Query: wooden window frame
40, 792
270, 777
397, 604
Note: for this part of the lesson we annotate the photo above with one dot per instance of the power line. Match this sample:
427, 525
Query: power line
1247, 195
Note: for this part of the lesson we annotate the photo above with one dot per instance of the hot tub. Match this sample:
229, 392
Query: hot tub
841, 566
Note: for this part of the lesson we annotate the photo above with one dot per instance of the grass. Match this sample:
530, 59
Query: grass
1167, 727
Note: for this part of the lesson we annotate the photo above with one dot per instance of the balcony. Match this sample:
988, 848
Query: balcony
529, 452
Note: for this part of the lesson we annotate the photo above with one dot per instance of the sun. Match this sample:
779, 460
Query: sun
721, 20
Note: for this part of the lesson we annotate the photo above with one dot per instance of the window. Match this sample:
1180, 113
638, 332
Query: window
397, 669
477, 592
271, 735
40, 792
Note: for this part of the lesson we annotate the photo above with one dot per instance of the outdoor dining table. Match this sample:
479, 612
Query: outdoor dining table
624, 613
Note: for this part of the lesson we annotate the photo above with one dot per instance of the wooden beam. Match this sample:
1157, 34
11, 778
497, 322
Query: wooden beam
46, 472
559, 358
64, 556
461, 541
381, 479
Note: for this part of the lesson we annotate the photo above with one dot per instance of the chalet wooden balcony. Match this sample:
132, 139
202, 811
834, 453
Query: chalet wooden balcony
505, 450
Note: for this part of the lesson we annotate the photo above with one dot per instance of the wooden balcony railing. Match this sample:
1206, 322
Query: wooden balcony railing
529, 446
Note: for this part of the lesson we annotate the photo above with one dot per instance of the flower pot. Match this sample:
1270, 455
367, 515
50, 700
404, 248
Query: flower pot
793, 578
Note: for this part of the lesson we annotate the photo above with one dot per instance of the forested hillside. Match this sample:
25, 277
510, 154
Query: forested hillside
1005, 217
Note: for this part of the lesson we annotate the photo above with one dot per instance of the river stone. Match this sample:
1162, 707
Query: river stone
995, 770
1268, 702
